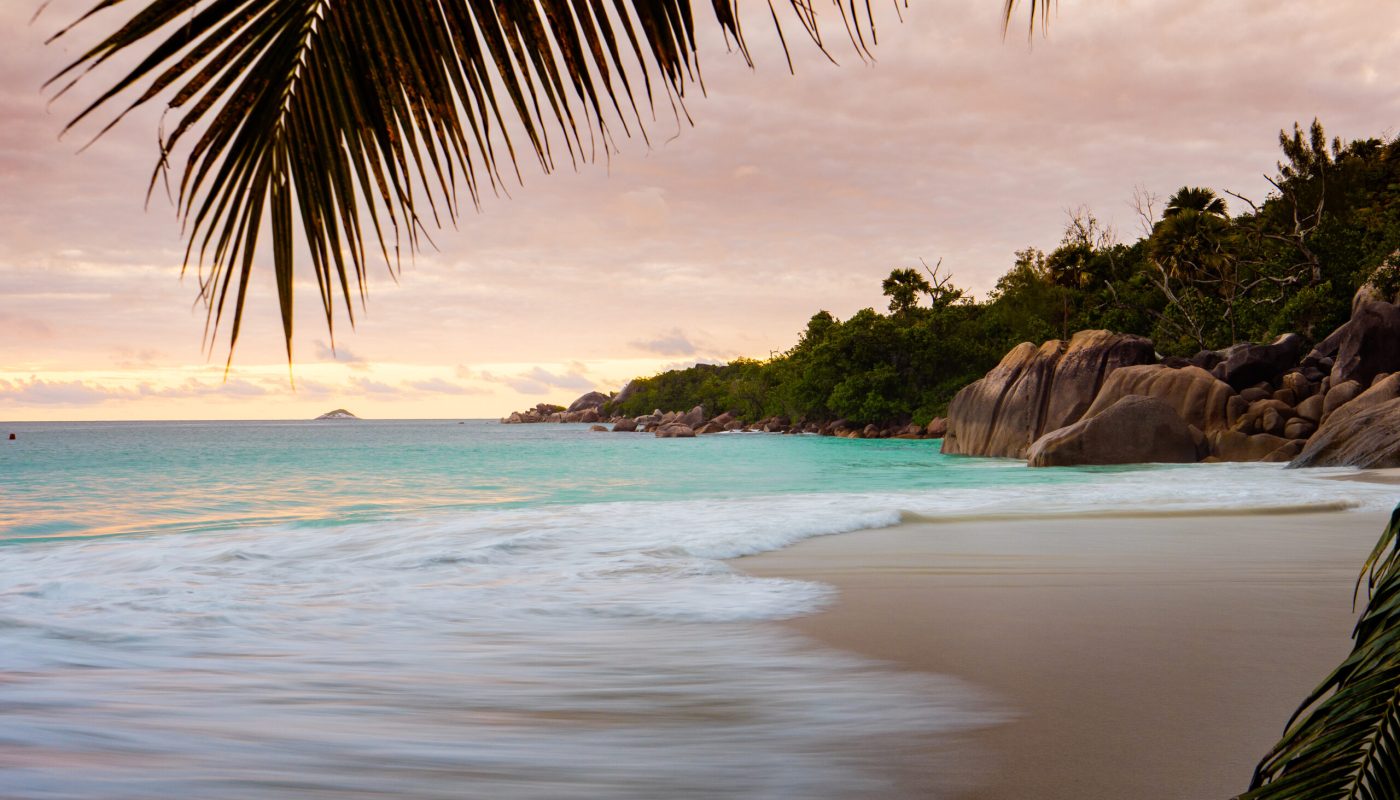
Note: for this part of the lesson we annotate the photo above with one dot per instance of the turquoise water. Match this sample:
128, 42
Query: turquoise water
441, 610
92, 479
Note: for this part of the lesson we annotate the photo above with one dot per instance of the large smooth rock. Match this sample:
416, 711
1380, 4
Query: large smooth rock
1298, 383
1326, 349
1383, 391
1237, 446
1035, 390
1206, 359
1134, 430
1264, 416
693, 418
1287, 452
1021, 414
1370, 291
674, 430
1247, 364
1369, 344
1299, 428
1338, 396
973, 413
1080, 372
593, 400
1311, 408
1198, 398
1368, 438
625, 425
626, 394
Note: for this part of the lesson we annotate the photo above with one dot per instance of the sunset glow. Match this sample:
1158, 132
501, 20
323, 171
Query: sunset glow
788, 194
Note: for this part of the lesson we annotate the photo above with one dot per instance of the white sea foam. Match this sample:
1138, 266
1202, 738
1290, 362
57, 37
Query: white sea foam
594, 651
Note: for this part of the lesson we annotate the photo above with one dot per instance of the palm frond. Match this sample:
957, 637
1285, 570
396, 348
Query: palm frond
346, 122
1039, 11
351, 125
1344, 740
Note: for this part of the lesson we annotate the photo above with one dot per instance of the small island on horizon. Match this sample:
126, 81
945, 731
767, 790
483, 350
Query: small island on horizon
339, 413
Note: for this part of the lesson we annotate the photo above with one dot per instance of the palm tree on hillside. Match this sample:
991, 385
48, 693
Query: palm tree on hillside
1195, 199
1189, 240
903, 287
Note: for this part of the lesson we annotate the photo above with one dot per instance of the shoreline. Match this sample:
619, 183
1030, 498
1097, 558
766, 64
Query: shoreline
1145, 657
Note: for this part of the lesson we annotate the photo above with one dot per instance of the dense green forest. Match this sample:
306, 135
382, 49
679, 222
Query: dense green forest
1208, 271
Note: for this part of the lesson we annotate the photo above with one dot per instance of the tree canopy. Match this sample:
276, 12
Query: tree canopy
1201, 279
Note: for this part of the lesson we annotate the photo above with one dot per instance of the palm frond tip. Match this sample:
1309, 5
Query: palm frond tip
1039, 11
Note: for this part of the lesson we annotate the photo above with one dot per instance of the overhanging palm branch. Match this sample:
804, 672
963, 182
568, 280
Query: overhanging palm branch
357, 121
346, 122
1344, 740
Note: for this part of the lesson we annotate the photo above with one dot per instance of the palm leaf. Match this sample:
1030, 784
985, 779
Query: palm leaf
1039, 11
1344, 740
344, 123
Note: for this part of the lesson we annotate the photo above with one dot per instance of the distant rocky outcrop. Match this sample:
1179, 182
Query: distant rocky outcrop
594, 408
543, 412
339, 413
593, 400
675, 430
1337, 405
586, 409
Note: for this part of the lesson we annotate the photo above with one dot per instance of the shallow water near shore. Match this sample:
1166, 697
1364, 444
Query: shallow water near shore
432, 609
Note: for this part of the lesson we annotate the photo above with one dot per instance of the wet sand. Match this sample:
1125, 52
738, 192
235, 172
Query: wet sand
1145, 658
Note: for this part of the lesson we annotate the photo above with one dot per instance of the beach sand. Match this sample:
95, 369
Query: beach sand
1144, 658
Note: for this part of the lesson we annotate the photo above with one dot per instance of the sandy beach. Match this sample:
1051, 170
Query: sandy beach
1147, 658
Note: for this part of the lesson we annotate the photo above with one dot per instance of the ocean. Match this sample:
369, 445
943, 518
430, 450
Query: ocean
444, 609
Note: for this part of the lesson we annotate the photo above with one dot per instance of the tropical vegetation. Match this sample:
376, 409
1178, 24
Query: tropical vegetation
1197, 278
1343, 743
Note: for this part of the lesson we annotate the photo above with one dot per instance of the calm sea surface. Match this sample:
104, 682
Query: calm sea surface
430, 609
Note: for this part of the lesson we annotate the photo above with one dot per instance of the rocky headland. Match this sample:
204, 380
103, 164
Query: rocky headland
595, 408
1107, 398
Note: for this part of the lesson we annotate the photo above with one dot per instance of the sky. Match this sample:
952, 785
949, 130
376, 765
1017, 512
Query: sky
788, 194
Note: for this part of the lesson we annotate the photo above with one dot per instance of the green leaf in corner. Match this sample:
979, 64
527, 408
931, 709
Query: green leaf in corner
1343, 742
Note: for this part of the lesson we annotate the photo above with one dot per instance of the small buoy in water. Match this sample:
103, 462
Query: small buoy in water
12, 437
